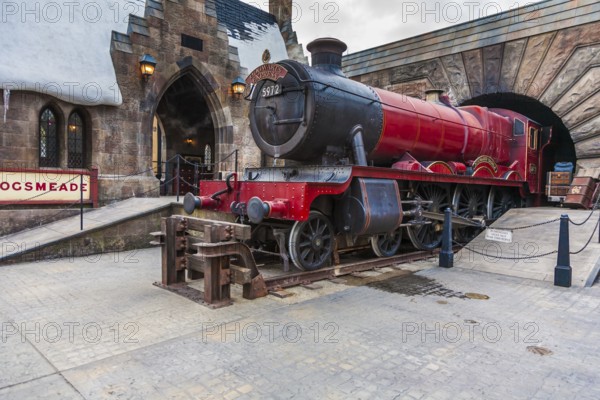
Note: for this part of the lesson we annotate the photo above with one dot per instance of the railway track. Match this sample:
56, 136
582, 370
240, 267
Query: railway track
221, 259
307, 277
276, 284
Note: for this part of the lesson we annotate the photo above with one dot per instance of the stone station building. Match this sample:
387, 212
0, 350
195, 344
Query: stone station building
74, 96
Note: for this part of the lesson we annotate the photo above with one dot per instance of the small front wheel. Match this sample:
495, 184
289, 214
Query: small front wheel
311, 242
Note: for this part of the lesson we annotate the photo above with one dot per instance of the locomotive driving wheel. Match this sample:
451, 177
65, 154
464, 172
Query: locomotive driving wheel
429, 236
468, 202
386, 244
311, 242
500, 200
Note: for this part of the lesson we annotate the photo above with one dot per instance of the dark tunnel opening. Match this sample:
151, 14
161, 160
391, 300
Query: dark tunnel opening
564, 148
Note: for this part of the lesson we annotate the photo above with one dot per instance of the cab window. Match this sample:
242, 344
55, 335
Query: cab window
519, 128
533, 134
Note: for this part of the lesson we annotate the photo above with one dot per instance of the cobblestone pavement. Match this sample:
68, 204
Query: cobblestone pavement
96, 328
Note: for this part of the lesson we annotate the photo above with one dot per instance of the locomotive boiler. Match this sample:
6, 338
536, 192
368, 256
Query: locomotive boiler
317, 111
363, 165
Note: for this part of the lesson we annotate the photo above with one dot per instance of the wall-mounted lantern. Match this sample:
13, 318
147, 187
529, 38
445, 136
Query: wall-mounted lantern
147, 66
189, 141
238, 86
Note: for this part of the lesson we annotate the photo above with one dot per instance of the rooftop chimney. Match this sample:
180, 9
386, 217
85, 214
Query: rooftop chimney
327, 54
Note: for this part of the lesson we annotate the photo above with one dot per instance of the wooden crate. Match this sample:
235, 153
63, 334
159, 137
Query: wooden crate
559, 178
581, 192
557, 190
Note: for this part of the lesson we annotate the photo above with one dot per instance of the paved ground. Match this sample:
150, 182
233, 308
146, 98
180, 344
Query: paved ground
534, 242
96, 328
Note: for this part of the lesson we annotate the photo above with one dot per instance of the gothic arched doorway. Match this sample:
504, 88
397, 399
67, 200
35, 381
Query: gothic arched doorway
183, 126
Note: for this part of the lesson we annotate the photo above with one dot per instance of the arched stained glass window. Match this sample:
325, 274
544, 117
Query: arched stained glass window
48, 135
75, 141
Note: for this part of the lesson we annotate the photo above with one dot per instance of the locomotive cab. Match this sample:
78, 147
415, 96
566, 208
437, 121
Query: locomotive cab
528, 150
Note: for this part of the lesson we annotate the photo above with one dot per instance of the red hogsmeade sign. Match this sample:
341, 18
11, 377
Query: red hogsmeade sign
20, 186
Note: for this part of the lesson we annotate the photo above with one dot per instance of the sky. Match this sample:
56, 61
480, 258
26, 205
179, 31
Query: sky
363, 24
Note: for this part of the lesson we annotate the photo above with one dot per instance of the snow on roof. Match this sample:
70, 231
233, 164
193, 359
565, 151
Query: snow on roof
252, 31
63, 48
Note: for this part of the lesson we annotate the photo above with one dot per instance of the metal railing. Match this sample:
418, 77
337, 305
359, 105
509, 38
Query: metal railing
179, 175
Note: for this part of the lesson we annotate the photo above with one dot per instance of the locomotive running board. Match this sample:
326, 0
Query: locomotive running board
456, 219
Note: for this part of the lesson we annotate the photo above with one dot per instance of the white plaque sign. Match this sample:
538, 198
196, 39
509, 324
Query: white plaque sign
498, 235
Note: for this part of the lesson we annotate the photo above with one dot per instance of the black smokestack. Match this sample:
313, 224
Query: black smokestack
327, 54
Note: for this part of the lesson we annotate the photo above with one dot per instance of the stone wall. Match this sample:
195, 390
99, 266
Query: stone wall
122, 239
12, 221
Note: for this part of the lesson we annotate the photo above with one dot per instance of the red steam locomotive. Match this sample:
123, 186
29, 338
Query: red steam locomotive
364, 164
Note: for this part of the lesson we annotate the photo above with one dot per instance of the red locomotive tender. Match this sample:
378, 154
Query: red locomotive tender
364, 164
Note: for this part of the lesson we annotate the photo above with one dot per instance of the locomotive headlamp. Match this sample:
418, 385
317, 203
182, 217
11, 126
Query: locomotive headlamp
238, 86
147, 66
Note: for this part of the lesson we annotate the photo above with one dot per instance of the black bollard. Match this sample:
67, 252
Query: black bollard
446, 255
563, 271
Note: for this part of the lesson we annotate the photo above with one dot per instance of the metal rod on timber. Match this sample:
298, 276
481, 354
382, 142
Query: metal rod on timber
446, 255
563, 271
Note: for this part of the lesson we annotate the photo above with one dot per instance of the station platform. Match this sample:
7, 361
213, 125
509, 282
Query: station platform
118, 226
536, 241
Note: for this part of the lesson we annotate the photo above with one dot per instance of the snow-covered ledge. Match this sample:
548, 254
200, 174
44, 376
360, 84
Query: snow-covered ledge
251, 48
63, 48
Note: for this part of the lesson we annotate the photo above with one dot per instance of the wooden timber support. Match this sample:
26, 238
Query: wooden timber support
216, 245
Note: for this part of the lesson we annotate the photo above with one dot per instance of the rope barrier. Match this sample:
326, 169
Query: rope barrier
588, 242
137, 173
594, 208
189, 184
463, 246
61, 210
518, 228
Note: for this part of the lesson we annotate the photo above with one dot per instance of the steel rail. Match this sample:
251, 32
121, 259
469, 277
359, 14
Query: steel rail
301, 278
